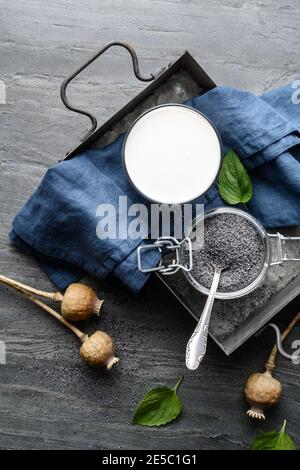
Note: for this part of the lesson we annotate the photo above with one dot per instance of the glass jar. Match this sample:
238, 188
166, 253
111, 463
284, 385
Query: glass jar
180, 261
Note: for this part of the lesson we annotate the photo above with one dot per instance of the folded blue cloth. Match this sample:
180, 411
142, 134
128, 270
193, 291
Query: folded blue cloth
58, 223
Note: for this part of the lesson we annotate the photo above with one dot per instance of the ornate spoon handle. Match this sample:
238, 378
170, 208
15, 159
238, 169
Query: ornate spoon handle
196, 347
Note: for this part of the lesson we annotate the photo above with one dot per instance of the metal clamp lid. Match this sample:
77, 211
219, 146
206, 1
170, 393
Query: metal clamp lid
166, 245
281, 248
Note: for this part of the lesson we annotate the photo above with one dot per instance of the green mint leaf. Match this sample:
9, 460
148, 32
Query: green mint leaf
234, 183
159, 406
274, 441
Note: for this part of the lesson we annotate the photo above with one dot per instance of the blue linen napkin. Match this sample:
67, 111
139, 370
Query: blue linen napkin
58, 223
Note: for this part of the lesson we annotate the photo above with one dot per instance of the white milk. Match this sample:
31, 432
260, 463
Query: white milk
172, 154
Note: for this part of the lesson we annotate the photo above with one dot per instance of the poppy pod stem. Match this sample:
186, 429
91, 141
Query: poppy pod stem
56, 296
82, 336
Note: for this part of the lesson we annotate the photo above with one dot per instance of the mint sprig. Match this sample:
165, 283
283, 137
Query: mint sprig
159, 406
274, 441
234, 182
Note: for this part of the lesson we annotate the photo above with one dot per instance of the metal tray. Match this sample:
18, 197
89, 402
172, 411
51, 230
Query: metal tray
233, 321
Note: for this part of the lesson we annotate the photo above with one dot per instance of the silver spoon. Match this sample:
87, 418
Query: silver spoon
196, 347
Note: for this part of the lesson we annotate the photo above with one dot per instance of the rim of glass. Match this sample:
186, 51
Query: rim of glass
179, 105
265, 265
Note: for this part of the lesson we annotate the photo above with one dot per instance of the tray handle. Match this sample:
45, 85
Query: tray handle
279, 340
68, 79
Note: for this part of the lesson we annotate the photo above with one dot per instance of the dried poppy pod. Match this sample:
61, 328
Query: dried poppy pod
98, 350
80, 302
261, 391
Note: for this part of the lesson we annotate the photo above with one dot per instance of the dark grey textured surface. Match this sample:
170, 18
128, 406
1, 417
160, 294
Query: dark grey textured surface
47, 398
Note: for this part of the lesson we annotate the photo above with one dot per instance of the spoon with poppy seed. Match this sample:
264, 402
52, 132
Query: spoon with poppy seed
196, 346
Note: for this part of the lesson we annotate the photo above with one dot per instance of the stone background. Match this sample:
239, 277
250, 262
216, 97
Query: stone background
48, 399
